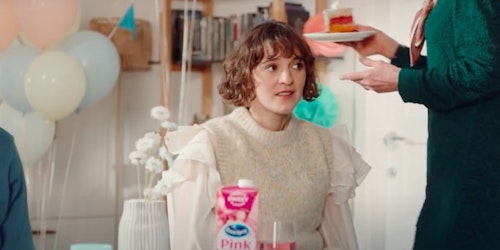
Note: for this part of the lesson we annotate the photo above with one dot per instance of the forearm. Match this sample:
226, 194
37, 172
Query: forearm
401, 59
337, 228
390, 48
192, 220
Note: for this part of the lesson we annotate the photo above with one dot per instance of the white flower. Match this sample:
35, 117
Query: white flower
151, 152
145, 144
154, 165
169, 181
160, 113
161, 189
170, 126
155, 136
153, 193
166, 155
137, 158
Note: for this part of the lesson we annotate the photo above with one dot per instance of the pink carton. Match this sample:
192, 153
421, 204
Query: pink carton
237, 216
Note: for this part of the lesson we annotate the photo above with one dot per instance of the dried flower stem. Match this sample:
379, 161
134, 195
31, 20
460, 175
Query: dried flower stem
139, 182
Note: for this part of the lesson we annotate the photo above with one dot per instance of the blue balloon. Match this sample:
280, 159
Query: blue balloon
323, 111
100, 61
14, 63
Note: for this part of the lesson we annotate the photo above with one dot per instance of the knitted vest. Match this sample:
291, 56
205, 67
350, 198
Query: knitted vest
291, 168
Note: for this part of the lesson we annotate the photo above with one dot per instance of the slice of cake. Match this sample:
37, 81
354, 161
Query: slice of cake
339, 20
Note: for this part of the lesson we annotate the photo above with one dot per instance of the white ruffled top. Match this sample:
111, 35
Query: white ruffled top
193, 179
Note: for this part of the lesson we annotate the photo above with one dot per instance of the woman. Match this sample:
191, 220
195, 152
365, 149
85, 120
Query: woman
459, 83
304, 172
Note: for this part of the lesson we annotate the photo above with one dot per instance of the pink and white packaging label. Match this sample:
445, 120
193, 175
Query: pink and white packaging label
237, 217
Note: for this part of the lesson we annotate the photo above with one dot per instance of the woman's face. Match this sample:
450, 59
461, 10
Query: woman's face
279, 83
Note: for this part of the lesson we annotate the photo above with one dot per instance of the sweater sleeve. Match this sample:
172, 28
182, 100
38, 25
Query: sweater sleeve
15, 228
402, 59
474, 76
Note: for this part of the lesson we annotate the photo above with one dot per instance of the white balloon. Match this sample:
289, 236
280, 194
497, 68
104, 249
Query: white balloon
55, 85
33, 135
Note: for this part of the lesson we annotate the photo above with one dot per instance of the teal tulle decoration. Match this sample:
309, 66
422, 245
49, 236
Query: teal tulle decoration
323, 111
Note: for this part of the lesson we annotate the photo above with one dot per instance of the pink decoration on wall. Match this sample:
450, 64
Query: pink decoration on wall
315, 23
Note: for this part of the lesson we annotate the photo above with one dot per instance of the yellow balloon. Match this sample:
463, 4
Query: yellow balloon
55, 85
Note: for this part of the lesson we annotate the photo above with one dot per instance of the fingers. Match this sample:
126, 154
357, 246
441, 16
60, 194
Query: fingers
360, 27
359, 78
354, 76
348, 44
368, 62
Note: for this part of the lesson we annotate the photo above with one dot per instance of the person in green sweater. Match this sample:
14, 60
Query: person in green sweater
459, 83
15, 228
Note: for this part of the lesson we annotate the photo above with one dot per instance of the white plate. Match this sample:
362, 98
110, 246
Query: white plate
339, 36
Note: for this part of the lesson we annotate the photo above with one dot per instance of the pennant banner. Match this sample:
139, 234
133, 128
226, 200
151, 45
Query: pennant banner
128, 22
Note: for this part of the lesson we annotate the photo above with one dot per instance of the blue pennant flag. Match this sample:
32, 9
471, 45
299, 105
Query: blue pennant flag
128, 22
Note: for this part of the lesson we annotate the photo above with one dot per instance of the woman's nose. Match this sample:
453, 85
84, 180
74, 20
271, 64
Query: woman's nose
286, 77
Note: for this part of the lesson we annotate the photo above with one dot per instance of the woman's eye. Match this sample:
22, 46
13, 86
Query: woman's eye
298, 65
271, 67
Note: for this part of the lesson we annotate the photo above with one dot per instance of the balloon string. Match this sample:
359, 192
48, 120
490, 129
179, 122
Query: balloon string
66, 175
183, 64
43, 222
44, 178
52, 162
185, 55
24, 136
190, 41
37, 197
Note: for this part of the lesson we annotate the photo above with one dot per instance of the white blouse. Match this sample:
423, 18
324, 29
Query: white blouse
195, 179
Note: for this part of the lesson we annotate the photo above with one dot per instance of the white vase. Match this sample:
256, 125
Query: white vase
143, 226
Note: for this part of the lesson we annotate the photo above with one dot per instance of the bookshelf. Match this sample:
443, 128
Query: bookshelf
278, 12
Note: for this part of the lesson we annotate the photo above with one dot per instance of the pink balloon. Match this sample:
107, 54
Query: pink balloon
9, 25
45, 22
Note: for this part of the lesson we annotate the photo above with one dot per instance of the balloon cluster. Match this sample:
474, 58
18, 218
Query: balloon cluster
53, 70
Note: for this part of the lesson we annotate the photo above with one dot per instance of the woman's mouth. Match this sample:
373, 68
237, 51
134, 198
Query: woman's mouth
285, 93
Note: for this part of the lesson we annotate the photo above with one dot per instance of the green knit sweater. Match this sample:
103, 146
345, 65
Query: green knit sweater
459, 82
15, 229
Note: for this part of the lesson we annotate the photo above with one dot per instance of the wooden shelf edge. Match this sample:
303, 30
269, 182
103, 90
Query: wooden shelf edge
195, 68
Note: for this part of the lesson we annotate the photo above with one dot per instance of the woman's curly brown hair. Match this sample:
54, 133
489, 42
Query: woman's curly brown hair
237, 87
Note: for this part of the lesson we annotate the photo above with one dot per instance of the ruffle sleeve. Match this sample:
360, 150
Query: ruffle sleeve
194, 155
190, 185
349, 169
